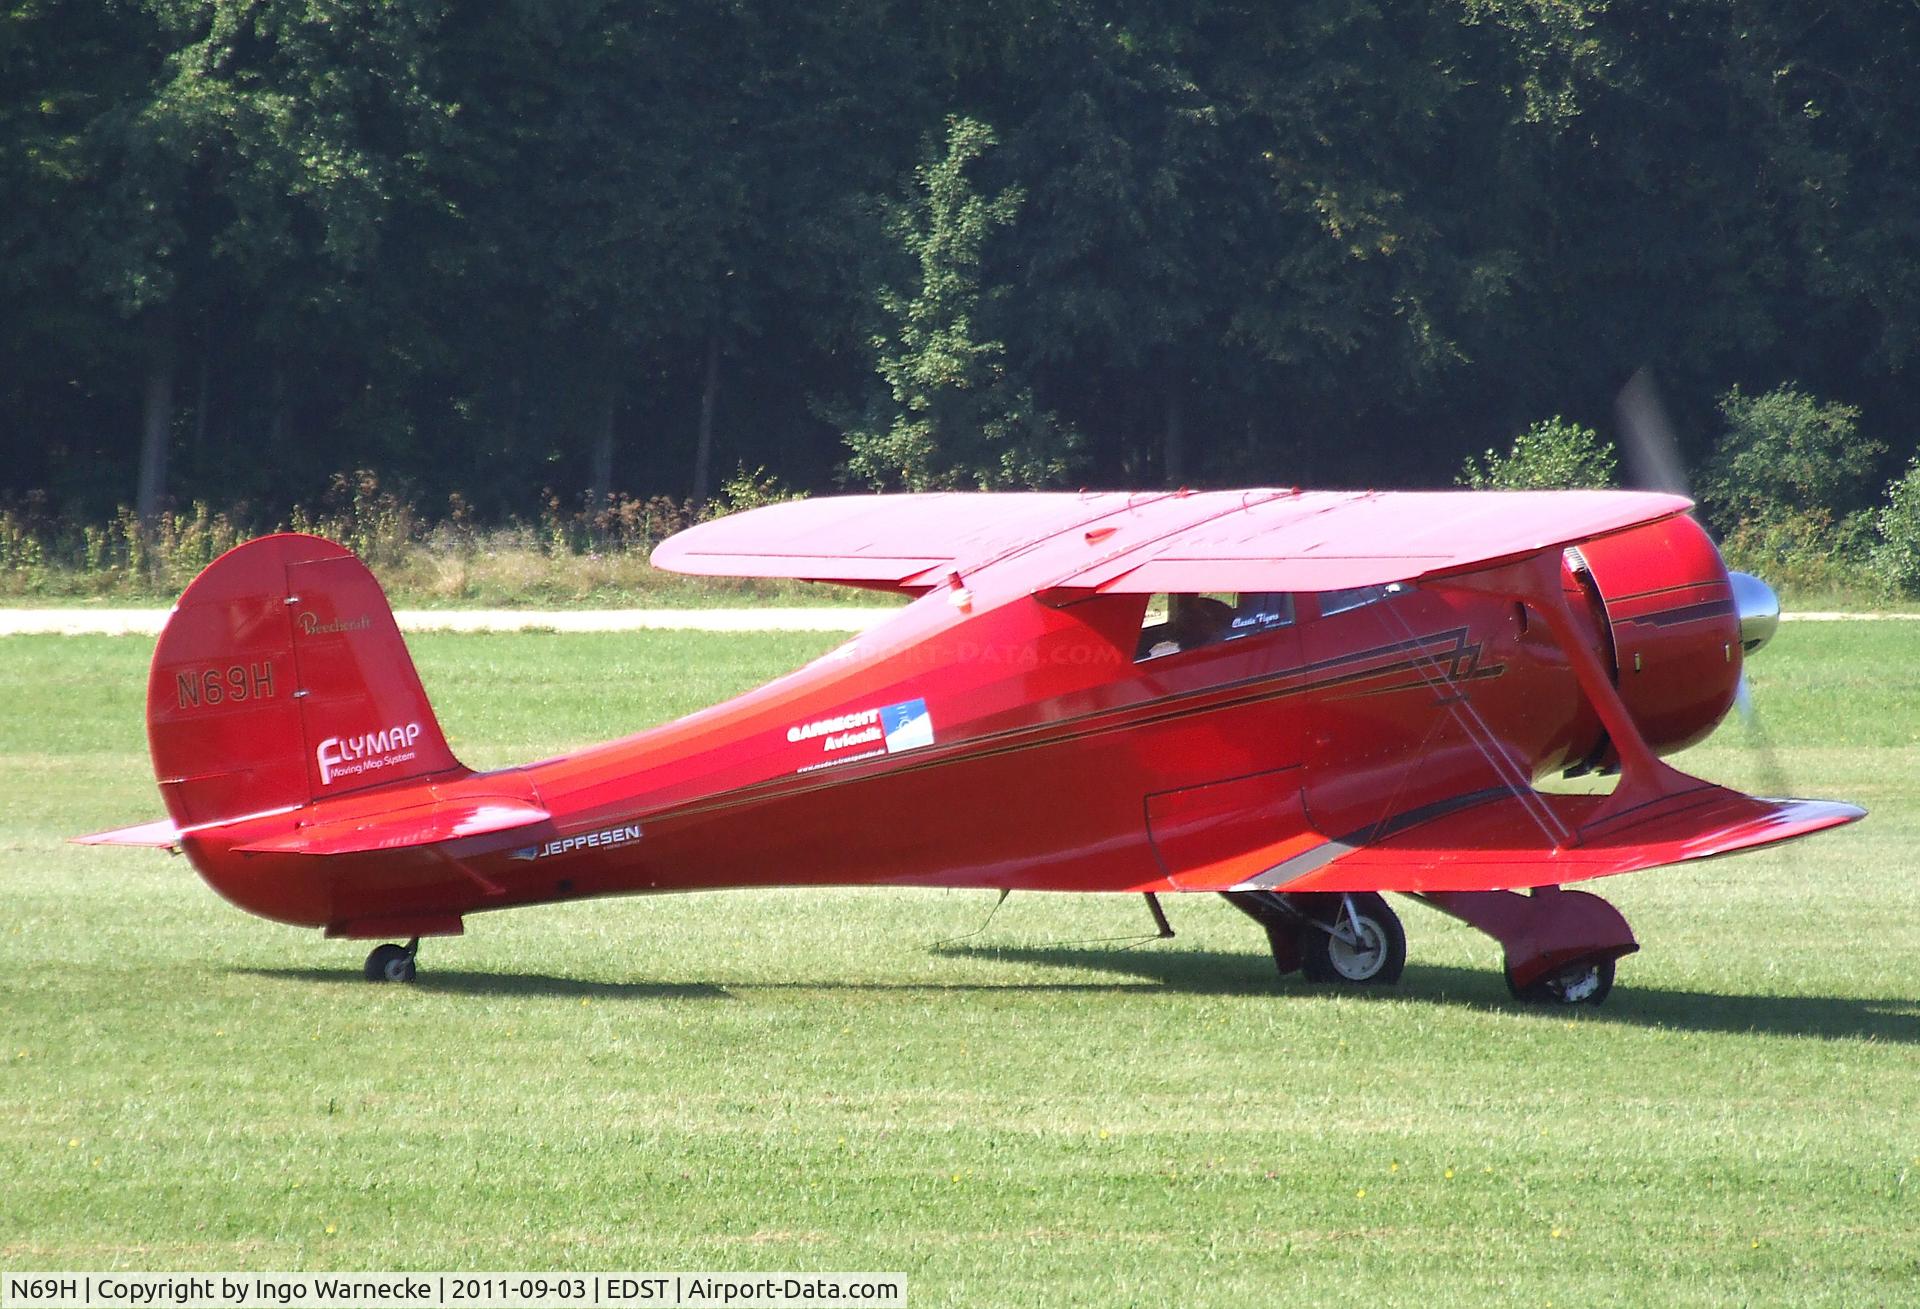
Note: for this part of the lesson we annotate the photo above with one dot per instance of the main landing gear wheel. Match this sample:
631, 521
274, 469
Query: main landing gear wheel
1582, 983
392, 963
1360, 944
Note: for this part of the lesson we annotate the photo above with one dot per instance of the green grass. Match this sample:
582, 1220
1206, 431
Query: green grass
1032, 1116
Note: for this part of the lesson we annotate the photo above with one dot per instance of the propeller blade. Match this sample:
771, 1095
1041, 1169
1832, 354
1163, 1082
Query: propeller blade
1653, 463
1652, 449
1773, 781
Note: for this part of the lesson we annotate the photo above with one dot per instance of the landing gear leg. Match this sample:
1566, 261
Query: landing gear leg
1275, 913
1351, 938
392, 963
1561, 945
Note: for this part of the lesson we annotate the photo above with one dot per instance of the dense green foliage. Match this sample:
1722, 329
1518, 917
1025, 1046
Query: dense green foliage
601, 245
1552, 455
1783, 473
950, 416
1896, 555
1784, 455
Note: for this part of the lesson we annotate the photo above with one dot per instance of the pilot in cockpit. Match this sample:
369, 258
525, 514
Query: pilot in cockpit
1192, 621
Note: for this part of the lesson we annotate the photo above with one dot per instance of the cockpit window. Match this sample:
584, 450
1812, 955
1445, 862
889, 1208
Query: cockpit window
1176, 623
1338, 602
1259, 611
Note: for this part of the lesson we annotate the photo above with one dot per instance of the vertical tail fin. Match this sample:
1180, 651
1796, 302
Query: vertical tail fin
281, 678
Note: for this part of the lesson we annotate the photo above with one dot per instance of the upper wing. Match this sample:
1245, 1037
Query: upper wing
903, 541
1254, 540
1331, 540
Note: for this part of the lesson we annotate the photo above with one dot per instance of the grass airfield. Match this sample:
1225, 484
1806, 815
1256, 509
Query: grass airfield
1040, 1111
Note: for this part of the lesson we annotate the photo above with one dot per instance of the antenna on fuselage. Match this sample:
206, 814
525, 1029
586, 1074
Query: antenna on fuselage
955, 940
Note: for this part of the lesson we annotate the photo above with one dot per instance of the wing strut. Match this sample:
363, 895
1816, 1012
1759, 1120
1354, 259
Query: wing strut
1644, 776
1505, 767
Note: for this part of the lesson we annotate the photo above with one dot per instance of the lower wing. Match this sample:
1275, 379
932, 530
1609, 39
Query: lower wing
1502, 840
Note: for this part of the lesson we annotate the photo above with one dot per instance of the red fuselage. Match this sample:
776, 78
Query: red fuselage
1022, 741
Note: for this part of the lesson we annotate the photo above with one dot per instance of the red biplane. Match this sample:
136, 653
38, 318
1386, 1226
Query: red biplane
1297, 700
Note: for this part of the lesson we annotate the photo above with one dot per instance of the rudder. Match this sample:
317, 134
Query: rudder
281, 678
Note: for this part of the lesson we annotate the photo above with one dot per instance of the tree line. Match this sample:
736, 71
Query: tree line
578, 246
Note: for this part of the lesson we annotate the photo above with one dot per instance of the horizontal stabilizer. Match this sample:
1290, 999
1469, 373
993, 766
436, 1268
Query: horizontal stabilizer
160, 834
1503, 842
403, 828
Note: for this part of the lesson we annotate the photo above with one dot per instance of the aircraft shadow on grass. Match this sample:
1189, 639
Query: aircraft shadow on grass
456, 982
1216, 972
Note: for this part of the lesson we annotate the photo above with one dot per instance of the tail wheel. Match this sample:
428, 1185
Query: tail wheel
1358, 942
1581, 983
390, 963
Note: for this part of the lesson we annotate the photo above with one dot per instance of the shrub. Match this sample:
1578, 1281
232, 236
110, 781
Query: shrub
1783, 486
1895, 556
1785, 456
21, 550
174, 547
1554, 454
375, 523
749, 490
43, 553
1804, 553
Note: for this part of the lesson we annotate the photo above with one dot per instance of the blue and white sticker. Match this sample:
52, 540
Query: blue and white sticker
908, 725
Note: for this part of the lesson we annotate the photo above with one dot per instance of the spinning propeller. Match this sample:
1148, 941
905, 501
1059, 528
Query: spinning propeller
1654, 463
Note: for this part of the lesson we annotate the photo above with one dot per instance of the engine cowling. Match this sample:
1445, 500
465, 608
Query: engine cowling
1674, 628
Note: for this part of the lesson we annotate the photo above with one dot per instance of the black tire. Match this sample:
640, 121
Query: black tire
390, 963
1582, 983
1379, 961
